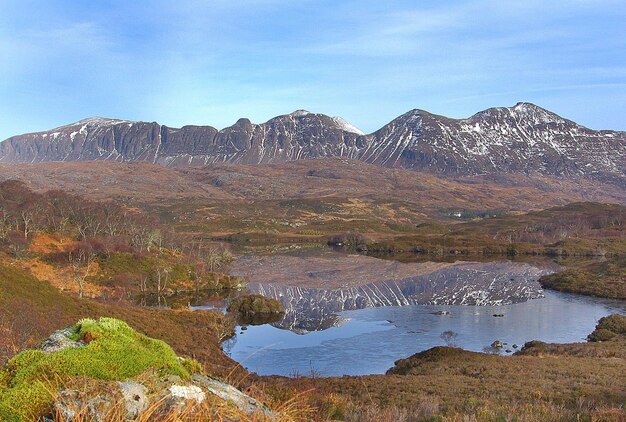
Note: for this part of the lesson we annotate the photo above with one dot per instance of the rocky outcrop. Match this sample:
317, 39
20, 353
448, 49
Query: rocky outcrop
524, 139
135, 396
230, 394
119, 375
60, 340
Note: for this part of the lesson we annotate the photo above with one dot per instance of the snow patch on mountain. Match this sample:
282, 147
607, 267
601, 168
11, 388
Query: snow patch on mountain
347, 126
300, 113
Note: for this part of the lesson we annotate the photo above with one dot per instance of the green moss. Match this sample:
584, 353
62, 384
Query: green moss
191, 365
115, 352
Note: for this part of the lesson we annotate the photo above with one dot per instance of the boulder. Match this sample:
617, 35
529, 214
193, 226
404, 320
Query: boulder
230, 394
60, 340
135, 398
71, 405
182, 393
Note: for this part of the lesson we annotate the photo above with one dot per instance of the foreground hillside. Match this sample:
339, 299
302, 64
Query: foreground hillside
583, 381
73, 375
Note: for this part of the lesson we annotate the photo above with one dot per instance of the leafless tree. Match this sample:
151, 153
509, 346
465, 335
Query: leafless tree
154, 239
81, 259
27, 217
217, 257
161, 277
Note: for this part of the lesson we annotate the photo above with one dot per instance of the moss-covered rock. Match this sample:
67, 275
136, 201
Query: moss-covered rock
112, 351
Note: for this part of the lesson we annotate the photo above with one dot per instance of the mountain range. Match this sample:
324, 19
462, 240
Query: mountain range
523, 139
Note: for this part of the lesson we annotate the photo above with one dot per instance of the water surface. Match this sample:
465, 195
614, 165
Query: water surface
368, 341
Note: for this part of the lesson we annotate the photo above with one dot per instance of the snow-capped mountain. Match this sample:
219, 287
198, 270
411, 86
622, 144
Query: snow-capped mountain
520, 139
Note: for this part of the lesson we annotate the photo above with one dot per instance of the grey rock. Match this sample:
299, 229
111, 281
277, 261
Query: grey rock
70, 405
60, 340
135, 398
66, 404
187, 392
229, 393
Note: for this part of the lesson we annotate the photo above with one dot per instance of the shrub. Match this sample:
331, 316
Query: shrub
256, 309
348, 240
609, 328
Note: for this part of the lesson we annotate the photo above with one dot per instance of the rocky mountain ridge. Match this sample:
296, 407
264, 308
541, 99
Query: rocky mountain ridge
524, 139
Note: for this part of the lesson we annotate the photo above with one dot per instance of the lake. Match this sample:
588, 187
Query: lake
352, 315
369, 341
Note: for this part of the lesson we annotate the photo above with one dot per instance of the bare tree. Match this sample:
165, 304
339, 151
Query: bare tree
217, 257
154, 239
27, 216
161, 277
81, 259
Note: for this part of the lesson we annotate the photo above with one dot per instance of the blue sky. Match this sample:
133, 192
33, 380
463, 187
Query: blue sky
211, 62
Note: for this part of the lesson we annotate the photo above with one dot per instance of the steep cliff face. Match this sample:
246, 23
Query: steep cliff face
299, 135
89, 139
520, 139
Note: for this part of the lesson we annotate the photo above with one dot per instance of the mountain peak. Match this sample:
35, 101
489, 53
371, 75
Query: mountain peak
523, 105
99, 121
300, 113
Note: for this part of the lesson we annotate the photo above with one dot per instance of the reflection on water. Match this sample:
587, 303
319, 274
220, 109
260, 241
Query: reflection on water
201, 299
483, 284
371, 339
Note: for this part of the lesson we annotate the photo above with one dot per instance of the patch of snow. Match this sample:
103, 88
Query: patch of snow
346, 126
300, 113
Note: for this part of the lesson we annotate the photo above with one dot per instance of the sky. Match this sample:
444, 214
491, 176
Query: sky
212, 62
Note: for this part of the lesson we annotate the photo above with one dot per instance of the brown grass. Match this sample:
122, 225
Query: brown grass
34, 307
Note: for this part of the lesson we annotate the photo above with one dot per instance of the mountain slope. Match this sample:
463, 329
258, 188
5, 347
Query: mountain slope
523, 139
520, 139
